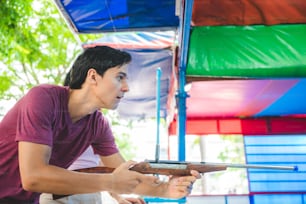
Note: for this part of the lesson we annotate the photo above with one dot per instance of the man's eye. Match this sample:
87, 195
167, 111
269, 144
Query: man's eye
121, 77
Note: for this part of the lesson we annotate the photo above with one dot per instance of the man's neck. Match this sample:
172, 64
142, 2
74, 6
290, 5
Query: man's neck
79, 105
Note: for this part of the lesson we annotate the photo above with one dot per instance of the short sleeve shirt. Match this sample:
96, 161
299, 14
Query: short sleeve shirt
42, 117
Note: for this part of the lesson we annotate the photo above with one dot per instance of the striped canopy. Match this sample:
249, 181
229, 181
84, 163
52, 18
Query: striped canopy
246, 58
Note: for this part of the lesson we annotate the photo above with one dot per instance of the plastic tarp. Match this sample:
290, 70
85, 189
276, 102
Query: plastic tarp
245, 107
96, 16
247, 98
136, 40
248, 51
248, 12
140, 101
221, 45
239, 38
117, 15
244, 126
246, 39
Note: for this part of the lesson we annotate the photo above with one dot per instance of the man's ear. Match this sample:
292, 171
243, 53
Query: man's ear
92, 75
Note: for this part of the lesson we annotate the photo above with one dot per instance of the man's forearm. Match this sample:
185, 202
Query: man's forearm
60, 181
38, 176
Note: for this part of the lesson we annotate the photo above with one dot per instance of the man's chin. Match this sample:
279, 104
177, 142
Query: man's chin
114, 107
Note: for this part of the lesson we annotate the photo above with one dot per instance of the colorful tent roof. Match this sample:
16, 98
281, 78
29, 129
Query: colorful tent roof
257, 44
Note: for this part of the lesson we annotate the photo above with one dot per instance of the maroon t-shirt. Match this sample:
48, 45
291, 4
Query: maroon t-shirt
42, 117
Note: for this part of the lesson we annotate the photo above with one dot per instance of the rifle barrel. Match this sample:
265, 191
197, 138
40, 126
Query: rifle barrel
229, 165
254, 166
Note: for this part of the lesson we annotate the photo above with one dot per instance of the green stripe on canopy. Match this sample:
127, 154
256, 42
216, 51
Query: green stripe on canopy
248, 51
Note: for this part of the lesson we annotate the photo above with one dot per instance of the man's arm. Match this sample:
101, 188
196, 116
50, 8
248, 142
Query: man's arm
177, 187
113, 160
38, 176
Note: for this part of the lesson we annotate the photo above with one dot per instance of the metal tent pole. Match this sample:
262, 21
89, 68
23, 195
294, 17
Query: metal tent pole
158, 82
184, 33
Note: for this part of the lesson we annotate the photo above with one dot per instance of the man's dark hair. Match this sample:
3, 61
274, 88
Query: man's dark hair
67, 79
100, 58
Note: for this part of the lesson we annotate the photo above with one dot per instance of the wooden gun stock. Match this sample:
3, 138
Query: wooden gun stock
161, 168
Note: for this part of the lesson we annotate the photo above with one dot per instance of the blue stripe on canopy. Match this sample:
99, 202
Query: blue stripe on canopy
105, 16
291, 102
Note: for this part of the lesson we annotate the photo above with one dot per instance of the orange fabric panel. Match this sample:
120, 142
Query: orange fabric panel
248, 12
196, 127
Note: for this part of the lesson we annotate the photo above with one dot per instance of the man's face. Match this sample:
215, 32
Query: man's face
111, 87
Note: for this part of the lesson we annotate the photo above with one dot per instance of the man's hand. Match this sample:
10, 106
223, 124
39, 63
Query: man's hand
179, 187
124, 181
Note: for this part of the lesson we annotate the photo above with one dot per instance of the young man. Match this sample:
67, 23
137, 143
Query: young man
52, 125
88, 159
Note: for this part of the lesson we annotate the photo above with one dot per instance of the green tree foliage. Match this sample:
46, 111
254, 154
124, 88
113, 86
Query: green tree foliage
38, 46
14, 15
234, 150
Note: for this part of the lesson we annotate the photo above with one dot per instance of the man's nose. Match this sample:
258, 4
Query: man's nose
125, 87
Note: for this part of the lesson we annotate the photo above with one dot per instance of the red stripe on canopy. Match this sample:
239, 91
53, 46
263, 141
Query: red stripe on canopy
247, 126
247, 12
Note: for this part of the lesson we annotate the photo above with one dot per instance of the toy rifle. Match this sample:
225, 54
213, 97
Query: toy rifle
176, 168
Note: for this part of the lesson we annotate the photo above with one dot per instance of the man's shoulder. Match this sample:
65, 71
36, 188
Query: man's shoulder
47, 93
49, 88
